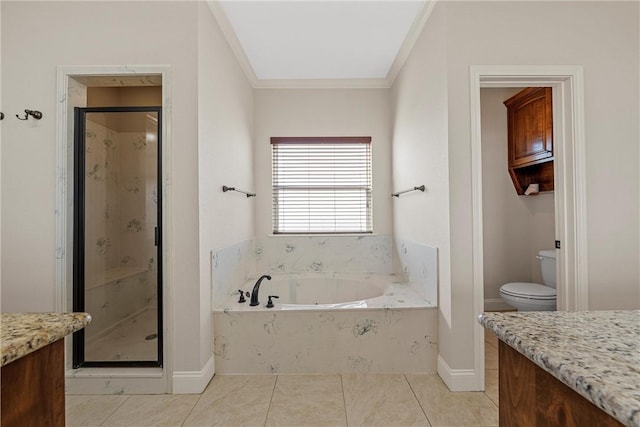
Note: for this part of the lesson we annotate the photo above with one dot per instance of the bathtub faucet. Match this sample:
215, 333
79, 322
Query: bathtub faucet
256, 289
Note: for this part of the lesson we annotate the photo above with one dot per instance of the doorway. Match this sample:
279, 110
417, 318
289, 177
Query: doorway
516, 226
117, 246
570, 186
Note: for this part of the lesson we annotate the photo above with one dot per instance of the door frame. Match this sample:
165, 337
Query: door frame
71, 93
567, 83
79, 242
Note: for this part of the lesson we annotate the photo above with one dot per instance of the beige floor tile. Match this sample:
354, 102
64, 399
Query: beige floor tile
490, 338
233, 400
491, 385
307, 400
90, 411
445, 408
153, 410
381, 400
490, 357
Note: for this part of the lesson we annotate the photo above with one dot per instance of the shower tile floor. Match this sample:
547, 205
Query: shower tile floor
302, 400
127, 340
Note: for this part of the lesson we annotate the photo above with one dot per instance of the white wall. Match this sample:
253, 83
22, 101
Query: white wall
323, 112
210, 131
515, 227
225, 157
603, 38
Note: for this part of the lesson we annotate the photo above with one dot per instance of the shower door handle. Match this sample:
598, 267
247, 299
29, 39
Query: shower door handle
156, 236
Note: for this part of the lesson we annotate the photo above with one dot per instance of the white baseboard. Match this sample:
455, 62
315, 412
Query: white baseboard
457, 379
193, 382
496, 304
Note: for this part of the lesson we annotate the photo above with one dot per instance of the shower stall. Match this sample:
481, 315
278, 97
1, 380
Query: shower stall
117, 271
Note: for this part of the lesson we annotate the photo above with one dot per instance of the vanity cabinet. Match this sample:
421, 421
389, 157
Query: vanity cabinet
531, 397
530, 138
32, 369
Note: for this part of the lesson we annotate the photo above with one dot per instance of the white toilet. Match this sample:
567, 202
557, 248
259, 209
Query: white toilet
532, 296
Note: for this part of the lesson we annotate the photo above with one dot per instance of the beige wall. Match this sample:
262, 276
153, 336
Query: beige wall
491, 33
515, 227
420, 154
225, 157
323, 112
179, 34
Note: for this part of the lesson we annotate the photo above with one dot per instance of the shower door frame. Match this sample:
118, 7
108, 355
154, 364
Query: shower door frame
78, 286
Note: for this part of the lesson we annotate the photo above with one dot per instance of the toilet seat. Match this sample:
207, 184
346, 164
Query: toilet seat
534, 291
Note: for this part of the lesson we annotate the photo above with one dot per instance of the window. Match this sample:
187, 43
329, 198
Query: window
321, 185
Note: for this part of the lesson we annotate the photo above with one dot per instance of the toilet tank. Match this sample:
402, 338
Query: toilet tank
547, 259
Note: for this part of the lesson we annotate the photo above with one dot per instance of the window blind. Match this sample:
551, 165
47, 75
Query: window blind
321, 185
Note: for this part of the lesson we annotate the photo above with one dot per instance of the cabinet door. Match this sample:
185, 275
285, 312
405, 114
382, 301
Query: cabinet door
530, 121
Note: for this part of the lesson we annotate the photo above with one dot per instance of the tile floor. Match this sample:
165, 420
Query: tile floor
303, 400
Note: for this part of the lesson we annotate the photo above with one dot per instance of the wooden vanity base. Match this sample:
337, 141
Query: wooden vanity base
32, 389
529, 396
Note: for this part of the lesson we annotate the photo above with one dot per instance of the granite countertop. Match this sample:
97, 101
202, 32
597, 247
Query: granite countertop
24, 333
595, 353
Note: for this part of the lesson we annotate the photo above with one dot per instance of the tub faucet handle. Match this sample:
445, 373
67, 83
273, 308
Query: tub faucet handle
241, 296
270, 303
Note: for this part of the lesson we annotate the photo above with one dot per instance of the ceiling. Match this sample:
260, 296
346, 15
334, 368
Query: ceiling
320, 40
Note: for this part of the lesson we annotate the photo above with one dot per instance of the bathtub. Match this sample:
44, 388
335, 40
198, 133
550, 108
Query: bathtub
327, 323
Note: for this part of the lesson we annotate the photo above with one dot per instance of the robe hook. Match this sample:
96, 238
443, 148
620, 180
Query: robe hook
33, 113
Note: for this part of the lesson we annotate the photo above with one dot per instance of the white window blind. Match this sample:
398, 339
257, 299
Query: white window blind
321, 185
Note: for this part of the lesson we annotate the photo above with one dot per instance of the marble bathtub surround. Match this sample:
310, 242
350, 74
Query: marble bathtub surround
296, 400
237, 264
231, 267
392, 332
380, 340
419, 266
595, 353
24, 333
324, 254
392, 294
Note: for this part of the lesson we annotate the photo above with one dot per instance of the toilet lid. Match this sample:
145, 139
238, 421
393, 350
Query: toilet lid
529, 290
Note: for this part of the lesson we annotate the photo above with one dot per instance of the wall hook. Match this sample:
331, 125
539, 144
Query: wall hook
33, 113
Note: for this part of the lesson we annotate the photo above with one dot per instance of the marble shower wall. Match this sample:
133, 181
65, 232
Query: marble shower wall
346, 341
419, 264
120, 207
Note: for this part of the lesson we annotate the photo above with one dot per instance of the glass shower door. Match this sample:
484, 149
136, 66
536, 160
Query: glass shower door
117, 236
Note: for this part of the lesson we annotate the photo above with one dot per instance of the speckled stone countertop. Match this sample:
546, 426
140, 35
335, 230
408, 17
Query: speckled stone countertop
24, 333
595, 353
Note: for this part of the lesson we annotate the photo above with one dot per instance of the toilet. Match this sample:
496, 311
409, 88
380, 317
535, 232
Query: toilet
527, 296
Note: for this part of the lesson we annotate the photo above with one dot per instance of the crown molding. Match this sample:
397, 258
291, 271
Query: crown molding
232, 39
410, 40
382, 83
321, 84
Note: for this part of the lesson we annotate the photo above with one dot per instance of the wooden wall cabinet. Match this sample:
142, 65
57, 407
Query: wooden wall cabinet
530, 140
